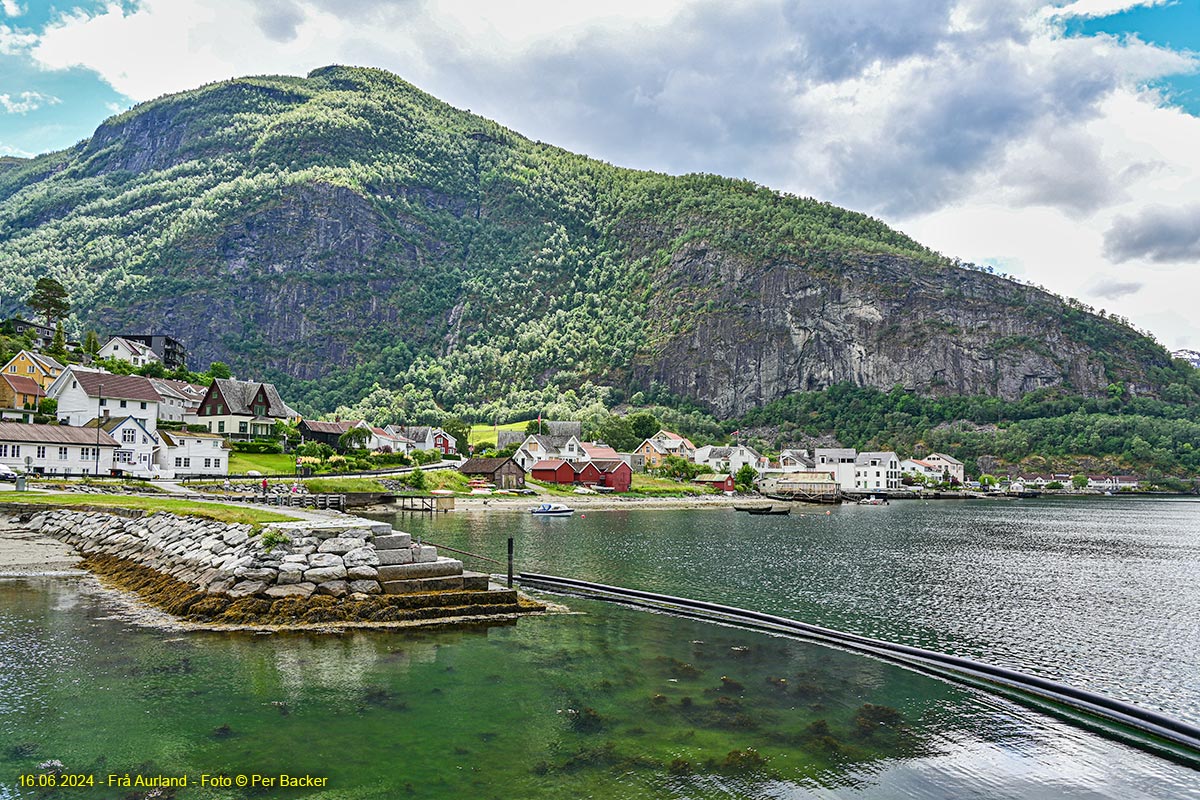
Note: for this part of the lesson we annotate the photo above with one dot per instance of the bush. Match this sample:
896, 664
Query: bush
257, 447
315, 450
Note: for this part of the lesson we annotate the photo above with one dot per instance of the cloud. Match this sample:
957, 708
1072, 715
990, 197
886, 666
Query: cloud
1114, 288
11, 8
1102, 8
1160, 234
25, 102
279, 19
13, 41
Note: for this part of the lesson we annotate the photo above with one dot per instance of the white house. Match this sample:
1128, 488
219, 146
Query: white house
729, 460
547, 447
55, 449
185, 453
84, 395
134, 353
948, 464
382, 439
180, 400
242, 409
425, 437
796, 461
877, 470
839, 461
137, 445
920, 468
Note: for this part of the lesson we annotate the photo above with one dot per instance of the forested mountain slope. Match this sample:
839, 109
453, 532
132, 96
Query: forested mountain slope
346, 229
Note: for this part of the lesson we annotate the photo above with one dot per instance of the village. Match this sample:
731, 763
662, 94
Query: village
73, 420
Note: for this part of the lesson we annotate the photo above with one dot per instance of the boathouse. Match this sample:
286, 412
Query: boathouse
504, 473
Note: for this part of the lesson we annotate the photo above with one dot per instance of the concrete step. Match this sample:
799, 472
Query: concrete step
433, 569
401, 555
443, 584
475, 581
392, 541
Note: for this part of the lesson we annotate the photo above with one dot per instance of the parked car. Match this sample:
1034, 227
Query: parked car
7, 473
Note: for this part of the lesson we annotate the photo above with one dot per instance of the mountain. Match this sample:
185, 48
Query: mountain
1190, 356
345, 229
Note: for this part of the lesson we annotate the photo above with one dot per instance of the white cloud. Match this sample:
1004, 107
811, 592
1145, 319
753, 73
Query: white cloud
14, 41
11, 8
1102, 8
24, 102
977, 126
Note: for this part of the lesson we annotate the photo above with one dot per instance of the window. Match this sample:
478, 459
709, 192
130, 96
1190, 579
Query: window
124, 404
143, 405
12, 368
207, 463
187, 462
216, 444
178, 461
241, 427
16, 451
29, 369
62, 454
103, 401
220, 427
129, 436
216, 463
41, 451
3, 451
85, 453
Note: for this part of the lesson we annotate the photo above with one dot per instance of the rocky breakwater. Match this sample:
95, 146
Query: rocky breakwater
354, 559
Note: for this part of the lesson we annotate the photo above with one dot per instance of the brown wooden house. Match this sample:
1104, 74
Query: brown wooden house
503, 472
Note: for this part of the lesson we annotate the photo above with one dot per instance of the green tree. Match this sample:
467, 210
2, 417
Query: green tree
987, 481
745, 476
91, 343
1054, 485
644, 425
616, 432
461, 431
49, 299
48, 406
153, 369
534, 426
1079, 481
58, 347
354, 439
416, 479
219, 369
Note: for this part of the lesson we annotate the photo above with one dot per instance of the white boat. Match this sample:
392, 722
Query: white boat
870, 501
552, 510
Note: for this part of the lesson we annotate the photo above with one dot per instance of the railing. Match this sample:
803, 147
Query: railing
482, 558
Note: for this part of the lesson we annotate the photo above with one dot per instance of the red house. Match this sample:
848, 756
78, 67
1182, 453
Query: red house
615, 474
553, 471
721, 483
588, 474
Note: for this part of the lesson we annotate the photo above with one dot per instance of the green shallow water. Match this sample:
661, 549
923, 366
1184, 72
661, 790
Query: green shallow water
606, 703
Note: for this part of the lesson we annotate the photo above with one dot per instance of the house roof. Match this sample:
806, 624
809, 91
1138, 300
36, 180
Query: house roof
188, 391
484, 466
599, 450
565, 429
137, 348
944, 457
45, 361
110, 424
53, 434
22, 384
881, 455
172, 437
239, 395
609, 464
836, 452
552, 463
320, 426
118, 387
712, 478
672, 440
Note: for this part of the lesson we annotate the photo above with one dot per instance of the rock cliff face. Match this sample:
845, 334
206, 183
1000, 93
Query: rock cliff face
777, 328
345, 229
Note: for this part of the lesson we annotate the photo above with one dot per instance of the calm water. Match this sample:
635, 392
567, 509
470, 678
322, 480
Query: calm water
1101, 594
617, 703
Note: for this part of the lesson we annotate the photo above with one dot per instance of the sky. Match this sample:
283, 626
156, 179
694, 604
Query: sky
1053, 141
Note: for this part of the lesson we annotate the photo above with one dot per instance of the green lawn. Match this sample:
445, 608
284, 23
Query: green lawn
487, 433
266, 463
186, 508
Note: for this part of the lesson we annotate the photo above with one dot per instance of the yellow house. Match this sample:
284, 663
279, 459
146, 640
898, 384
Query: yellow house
19, 397
42, 369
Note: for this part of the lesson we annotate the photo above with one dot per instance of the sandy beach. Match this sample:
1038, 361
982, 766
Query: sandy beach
23, 552
599, 502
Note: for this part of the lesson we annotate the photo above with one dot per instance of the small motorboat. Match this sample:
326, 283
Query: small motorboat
769, 510
870, 501
552, 510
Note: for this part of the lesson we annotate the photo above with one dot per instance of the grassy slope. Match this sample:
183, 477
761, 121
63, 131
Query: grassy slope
186, 508
487, 433
266, 463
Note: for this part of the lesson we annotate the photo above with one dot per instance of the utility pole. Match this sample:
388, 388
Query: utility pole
99, 416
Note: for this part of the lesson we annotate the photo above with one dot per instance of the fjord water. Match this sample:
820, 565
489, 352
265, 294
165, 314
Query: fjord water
613, 702
1102, 593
